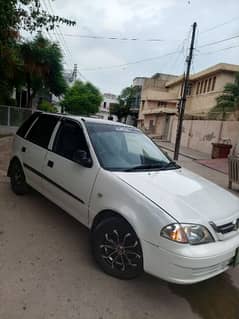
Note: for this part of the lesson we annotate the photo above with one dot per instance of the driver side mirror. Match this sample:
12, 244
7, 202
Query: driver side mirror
81, 157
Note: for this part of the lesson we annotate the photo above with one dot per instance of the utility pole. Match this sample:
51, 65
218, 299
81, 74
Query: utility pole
184, 95
74, 74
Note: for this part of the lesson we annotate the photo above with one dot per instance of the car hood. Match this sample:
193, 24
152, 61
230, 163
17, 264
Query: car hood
184, 195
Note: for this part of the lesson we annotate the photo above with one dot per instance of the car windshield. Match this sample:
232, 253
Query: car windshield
125, 148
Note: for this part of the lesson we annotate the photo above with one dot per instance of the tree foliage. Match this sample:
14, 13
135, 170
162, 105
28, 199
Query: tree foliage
42, 67
16, 15
27, 15
229, 100
82, 99
47, 107
125, 101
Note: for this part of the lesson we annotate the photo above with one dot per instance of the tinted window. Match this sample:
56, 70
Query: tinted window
41, 131
26, 125
70, 139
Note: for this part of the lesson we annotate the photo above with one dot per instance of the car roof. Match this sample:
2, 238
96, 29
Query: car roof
87, 119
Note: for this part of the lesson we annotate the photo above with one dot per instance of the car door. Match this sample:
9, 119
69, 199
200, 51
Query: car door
34, 148
66, 182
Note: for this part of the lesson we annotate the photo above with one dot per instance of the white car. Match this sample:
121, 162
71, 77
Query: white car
143, 210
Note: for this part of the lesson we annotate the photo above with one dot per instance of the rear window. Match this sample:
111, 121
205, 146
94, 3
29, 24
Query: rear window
27, 124
42, 130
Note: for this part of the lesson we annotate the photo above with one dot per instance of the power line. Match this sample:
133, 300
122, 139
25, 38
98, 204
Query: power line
157, 57
58, 31
45, 6
57, 36
223, 49
130, 63
217, 42
219, 25
96, 37
89, 36
60, 37
60, 34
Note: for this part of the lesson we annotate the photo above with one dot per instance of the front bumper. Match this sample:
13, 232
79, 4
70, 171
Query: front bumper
193, 264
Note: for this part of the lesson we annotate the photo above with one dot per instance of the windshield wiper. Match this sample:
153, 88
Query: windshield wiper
144, 166
169, 165
159, 166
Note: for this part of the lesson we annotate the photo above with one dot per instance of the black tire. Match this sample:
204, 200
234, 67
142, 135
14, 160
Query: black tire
116, 248
17, 178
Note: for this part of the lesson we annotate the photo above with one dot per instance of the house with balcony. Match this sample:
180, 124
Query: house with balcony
137, 85
160, 97
204, 87
104, 109
158, 103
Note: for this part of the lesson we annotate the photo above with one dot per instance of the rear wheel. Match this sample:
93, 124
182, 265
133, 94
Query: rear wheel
17, 178
116, 248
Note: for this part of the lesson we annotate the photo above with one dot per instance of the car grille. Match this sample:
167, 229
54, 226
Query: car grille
226, 228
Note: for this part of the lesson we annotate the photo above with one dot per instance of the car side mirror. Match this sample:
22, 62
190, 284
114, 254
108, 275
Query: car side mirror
81, 157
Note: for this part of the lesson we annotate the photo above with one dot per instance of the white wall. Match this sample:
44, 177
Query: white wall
200, 134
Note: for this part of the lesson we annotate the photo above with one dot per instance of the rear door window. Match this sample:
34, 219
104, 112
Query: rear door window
40, 133
27, 124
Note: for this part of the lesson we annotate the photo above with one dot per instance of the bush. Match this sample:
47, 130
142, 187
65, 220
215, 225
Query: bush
47, 107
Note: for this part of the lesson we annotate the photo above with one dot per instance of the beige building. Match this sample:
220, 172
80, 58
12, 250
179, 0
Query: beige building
161, 93
158, 102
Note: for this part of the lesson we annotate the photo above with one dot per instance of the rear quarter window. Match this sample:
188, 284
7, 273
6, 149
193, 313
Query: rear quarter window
42, 130
26, 125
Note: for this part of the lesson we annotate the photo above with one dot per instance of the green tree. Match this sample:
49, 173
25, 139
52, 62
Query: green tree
47, 107
16, 15
27, 15
42, 67
125, 101
229, 100
82, 99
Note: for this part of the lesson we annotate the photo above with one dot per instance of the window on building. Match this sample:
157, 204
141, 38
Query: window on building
143, 104
201, 86
205, 86
104, 105
151, 123
189, 89
198, 87
162, 104
209, 85
213, 83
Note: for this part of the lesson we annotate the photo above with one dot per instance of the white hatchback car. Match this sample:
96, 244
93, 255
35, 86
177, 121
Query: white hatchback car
144, 211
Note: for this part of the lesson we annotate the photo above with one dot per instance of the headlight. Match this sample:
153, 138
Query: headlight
187, 233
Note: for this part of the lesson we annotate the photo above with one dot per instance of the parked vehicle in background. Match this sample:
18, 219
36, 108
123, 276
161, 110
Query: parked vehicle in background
144, 211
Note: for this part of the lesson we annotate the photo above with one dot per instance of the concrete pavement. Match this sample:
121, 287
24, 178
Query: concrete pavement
46, 271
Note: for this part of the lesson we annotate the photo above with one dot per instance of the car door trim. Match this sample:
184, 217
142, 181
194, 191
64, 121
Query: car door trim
52, 182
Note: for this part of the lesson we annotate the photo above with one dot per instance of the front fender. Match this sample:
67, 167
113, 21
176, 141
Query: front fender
112, 194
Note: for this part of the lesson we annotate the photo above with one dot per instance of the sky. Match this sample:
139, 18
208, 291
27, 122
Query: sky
102, 61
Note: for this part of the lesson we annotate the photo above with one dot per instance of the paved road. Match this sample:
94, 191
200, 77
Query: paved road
46, 271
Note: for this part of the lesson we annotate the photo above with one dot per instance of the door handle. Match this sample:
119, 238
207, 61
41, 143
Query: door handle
23, 149
50, 164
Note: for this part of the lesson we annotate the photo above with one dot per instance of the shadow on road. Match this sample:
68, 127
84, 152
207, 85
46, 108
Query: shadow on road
212, 299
